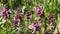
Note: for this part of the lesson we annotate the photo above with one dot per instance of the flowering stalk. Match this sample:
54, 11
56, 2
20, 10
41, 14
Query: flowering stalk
28, 17
50, 27
17, 17
51, 19
39, 11
5, 12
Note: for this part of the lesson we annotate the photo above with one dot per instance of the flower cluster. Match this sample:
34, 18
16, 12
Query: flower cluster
28, 15
5, 13
17, 18
51, 18
39, 11
35, 26
52, 26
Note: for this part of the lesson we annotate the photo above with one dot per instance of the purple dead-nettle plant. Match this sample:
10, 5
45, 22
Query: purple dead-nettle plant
51, 18
28, 15
39, 11
5, 13
17, 19
35, 26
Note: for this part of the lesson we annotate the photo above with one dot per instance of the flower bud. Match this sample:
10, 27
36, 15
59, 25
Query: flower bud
51, 18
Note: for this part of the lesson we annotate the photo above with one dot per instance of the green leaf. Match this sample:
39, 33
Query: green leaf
42, 30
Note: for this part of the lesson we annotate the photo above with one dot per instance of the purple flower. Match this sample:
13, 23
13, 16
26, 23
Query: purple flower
28, 15
17, 19
39, 11
51, 18
35, 26
5, 13
38, 26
